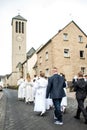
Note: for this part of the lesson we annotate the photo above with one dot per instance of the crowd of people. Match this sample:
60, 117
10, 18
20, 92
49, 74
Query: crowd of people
34, 91
46, 93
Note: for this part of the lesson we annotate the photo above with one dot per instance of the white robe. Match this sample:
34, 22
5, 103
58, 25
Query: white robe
20, 84
40, 95
29, 92
64, 100
23, 90
49, 103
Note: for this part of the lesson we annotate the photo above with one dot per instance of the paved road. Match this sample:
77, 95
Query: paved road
16, 115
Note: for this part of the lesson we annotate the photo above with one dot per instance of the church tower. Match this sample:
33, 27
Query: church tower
18, 44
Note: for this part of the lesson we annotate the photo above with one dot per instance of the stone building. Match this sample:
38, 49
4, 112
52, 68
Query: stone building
28, 65
31, 61
18, 47
66, 50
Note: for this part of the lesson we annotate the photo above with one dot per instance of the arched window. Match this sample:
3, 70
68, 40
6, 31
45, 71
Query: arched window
19, 27
16, 27
22, 27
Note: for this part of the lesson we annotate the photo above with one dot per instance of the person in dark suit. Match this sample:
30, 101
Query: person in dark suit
85, 78
55, 90
80, 87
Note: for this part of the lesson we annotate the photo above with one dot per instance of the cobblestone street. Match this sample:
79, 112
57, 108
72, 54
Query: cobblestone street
16, 115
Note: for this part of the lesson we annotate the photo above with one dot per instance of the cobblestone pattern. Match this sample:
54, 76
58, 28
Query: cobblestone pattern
20, 116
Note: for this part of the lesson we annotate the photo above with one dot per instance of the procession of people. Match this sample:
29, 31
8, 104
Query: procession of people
50, 92
34, 91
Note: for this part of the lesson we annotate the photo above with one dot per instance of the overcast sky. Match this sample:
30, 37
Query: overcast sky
44, 19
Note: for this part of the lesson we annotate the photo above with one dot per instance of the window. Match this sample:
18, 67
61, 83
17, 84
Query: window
66, 52
19, 47
81, 54
19, 27
16, 27
80, 38
47, 72
40, 71
83, 69
46, 56
22, 27
40, 59
65, 36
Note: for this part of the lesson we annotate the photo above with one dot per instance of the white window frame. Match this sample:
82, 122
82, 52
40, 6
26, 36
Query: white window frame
83, 69
80, 38
47, 72
66, 53
65, 37
46, 55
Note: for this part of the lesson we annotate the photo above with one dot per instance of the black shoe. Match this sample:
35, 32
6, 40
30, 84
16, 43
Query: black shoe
76, 117
86, 108
85, 122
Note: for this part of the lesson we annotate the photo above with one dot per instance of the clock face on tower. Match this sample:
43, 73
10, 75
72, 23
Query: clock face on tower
19, 38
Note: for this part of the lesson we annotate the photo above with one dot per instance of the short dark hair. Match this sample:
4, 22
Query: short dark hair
80, 74
42, 74
55, 68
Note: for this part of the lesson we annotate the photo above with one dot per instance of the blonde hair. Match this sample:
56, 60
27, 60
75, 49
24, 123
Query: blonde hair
28, 77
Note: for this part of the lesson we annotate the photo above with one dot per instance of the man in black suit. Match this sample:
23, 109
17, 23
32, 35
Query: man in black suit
55, 90
80, 87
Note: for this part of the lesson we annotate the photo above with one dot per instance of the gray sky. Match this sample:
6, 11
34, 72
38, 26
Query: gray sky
44, 19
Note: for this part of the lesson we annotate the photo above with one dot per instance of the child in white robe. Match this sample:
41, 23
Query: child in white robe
40, 94
20, 88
